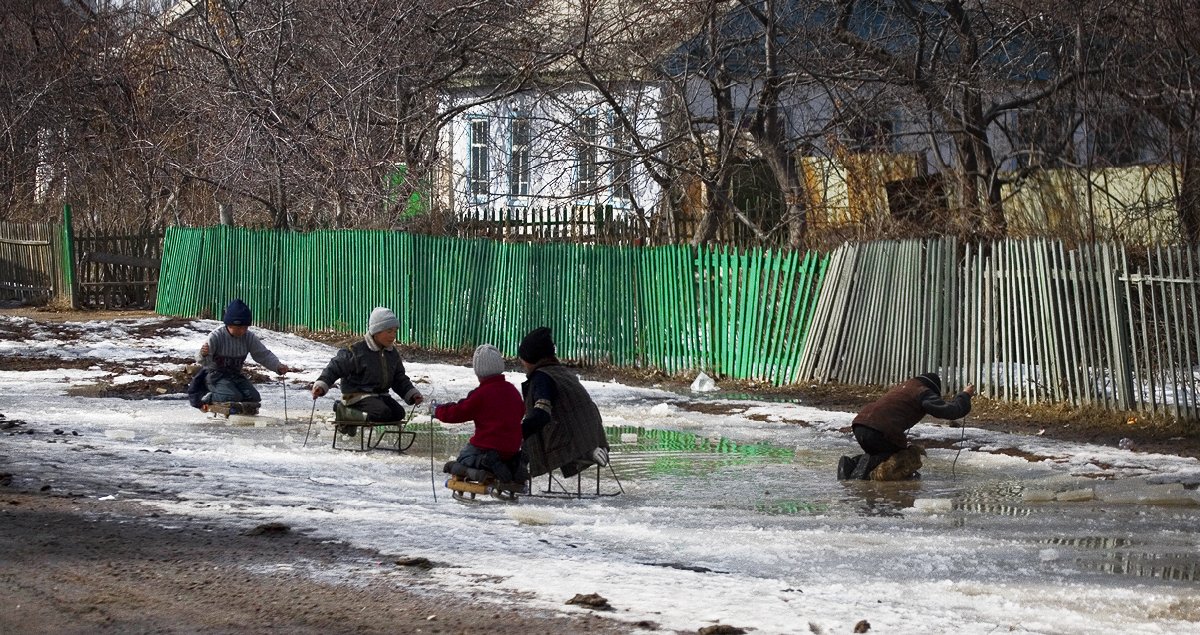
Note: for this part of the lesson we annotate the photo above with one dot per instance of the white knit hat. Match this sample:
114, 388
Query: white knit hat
382, 319
487, 361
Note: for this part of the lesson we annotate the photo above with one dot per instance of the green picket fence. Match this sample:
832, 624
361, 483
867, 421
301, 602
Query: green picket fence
741, 314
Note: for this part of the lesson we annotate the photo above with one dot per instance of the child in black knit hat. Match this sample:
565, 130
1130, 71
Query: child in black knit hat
562, 425
224, 354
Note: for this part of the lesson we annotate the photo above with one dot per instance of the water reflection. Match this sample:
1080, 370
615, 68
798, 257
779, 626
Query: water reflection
1129, 557
1160, 566
647, 452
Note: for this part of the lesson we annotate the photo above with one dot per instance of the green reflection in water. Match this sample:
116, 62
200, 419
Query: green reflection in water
792, 507
639, 452
653, 440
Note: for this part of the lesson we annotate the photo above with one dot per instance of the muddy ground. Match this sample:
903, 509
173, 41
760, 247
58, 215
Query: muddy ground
69, 564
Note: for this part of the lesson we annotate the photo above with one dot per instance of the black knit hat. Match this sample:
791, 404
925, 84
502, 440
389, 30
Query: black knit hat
932, 380
537, 345
237, 313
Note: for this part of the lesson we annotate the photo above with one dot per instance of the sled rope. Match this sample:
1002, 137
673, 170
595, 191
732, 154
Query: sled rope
432, 483
963, 425
310, 421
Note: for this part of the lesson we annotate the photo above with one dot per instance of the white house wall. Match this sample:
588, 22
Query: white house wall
554, 119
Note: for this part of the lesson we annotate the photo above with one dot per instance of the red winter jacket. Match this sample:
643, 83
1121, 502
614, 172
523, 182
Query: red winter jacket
497, 408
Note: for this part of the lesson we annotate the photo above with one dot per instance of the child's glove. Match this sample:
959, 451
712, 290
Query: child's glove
531, 426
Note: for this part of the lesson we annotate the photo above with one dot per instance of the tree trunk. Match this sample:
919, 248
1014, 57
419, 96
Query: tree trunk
715, 214
225, 213
1188, 203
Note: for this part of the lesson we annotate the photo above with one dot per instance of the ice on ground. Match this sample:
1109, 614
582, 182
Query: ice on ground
729, 514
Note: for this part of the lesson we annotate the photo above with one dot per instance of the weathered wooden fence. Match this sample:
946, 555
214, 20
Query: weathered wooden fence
601, 224
41, 261
30, 257
1024, 320
607, 225
118, 271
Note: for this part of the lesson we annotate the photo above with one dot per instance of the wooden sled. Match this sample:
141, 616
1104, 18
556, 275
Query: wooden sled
466, 491
227, 408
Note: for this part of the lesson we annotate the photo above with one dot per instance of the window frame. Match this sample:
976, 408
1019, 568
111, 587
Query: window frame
520, 177
479, 171
587, 158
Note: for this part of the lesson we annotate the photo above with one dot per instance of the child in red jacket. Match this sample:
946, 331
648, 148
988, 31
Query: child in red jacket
496, 408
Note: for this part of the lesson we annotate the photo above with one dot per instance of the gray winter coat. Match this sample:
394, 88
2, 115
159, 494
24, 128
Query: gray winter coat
227, 354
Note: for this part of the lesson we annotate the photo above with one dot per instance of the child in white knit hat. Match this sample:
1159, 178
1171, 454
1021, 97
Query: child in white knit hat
496, 408
367, 369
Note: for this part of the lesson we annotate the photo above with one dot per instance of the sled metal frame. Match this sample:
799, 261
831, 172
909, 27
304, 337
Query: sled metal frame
373, 435
564, 492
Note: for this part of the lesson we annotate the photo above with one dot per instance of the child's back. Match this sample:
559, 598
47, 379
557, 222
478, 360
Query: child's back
496, 408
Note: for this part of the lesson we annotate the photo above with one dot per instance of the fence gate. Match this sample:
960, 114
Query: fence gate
29, 268
118, 272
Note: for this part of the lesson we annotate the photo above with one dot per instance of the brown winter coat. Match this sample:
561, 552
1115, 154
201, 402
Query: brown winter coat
905, 405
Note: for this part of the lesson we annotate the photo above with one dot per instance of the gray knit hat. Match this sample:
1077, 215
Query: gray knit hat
382, 319
487, 361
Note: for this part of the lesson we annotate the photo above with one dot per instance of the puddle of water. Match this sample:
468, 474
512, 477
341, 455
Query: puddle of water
1176, 567
1158, 559
646, 453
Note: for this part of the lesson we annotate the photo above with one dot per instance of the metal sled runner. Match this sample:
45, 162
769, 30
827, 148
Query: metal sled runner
373, 434
556, 488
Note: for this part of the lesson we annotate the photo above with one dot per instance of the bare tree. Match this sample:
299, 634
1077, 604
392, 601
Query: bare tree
1150, 53
54, 101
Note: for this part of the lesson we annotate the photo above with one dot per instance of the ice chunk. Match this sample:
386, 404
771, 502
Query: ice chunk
1142, 493
123, 435
703, 383
933, 505
1048, 555
1076, 495
531, 516
661, 409
1037, 495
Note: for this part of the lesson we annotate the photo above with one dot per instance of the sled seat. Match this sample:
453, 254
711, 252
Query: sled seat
227, 408
467, 482
372, 435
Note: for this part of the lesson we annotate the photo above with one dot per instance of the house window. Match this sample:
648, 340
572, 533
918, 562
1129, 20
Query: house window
479, 177
622, 172
1118, 141
518, 160
1042, 139
868, 135
587, 166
